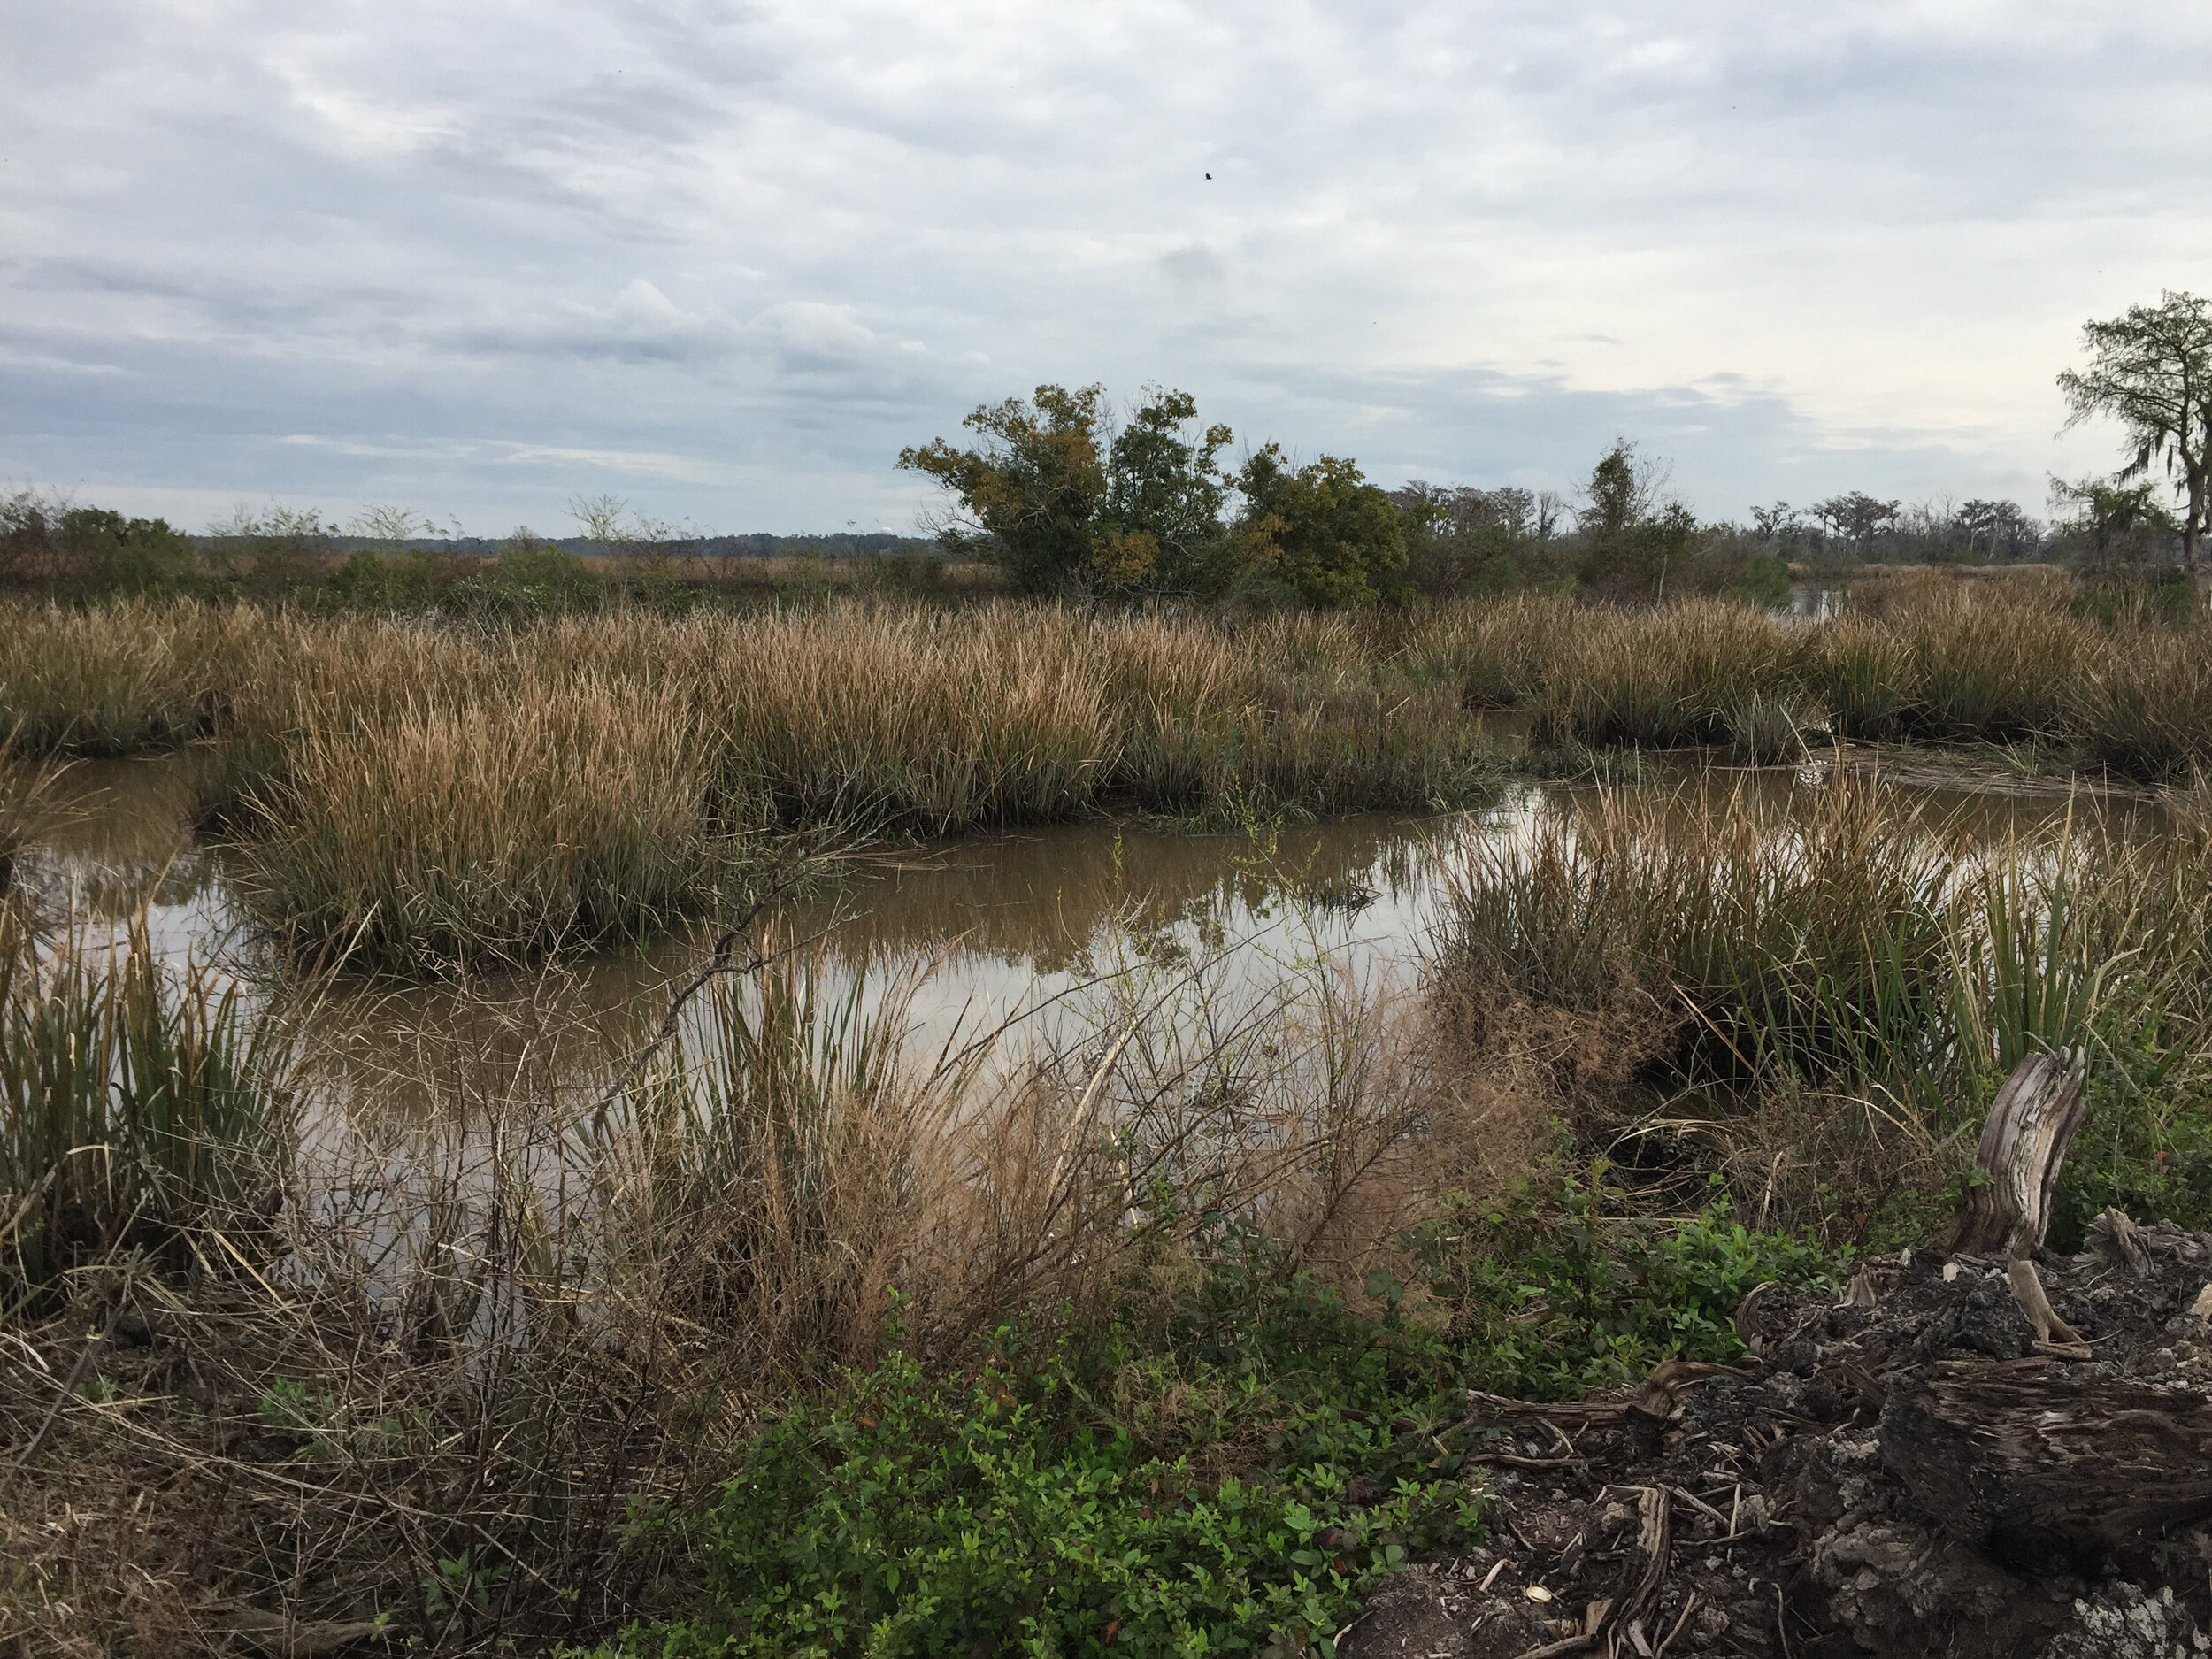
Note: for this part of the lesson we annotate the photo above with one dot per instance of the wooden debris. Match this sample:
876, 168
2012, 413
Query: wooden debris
300, 1639
1746, 1316
2117, 1237
2053, 1334
2024, 1142
2045, 1472
1656, 1400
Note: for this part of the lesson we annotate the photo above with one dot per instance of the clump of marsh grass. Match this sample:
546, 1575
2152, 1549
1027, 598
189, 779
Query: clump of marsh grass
138, 1099
937, 723
1996, 664
771, 1173
1499, 654
1751, 949
1868, 677
440, 838
1772, 730
1665, 678
2147, 709
1709, 947
118, 678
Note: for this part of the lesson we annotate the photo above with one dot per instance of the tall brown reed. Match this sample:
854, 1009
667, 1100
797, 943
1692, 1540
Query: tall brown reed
440, 837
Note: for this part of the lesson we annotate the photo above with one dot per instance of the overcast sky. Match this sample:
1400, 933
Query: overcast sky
722, 260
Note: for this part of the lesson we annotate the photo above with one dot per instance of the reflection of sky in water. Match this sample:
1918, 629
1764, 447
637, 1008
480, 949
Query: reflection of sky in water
1010, 922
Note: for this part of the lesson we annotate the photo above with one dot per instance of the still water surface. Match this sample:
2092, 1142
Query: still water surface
1004, 922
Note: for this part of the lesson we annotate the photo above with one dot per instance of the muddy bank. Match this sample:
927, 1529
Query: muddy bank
1922, 1476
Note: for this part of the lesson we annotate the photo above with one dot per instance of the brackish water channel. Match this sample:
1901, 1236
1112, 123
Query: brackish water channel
978, 930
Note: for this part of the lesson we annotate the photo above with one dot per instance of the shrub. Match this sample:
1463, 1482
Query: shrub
1552, 1297
530, 578
1333, 538
1033, 490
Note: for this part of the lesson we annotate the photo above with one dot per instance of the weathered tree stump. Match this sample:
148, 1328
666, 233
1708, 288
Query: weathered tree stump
2035, 1467
2044, 1472
2030, 1124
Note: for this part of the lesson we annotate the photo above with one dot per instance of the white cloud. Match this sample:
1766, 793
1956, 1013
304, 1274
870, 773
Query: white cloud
742, 253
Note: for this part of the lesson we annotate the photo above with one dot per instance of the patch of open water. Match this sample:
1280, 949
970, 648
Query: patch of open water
1006, 923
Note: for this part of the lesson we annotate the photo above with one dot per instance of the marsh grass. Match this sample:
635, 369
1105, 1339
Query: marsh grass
139, 1100
115, 679
2147, 713
1772, 729
936, 723
422, 795
1870, 676
440, 839
1681, 957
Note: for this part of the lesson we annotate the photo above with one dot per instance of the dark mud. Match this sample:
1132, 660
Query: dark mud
1918, 1477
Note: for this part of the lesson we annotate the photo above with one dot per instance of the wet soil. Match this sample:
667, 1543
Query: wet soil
1824, 1497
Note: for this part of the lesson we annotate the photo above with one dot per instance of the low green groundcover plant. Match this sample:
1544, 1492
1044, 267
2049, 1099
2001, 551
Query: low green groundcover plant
1550, 1296
1230, 1478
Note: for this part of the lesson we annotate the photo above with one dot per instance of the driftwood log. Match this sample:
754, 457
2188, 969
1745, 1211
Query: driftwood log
2043, 1472
2024, 1139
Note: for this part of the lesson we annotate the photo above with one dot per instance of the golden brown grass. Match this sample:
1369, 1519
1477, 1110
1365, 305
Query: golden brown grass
117, 679
436, 1384
433, 837
867, 716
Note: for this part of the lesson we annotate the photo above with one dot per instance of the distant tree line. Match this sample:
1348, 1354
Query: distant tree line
1068, 500
386, 559
1066, 497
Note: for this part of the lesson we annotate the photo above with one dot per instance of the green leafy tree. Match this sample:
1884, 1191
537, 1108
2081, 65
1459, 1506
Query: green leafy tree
2151, 370
1857, 517
1160, 525
1333, 538
2001, 529
1066, 503
1633, 539
1460, 539
1031, 493
2120, 522
105, 551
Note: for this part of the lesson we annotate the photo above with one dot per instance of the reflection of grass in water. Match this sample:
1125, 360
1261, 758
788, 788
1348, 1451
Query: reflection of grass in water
30, 808
1037, 899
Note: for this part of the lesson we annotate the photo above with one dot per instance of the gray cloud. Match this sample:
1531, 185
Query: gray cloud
727, 258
